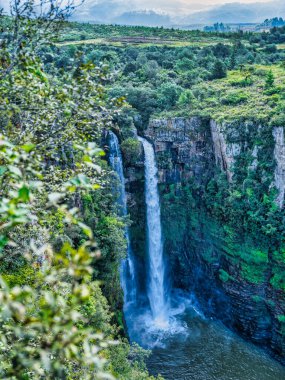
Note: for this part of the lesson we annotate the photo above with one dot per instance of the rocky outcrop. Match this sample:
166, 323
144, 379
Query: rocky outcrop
224, 152
183, 148
279, 154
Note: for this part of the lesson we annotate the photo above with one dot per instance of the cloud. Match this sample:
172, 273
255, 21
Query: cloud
238, 12
5, 4
145, 18
180, 11
107, 8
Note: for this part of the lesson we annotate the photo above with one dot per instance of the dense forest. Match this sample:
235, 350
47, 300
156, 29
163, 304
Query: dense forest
63, 87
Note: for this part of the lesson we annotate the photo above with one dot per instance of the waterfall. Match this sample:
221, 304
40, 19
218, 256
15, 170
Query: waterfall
128, 279
149, 319
156, 268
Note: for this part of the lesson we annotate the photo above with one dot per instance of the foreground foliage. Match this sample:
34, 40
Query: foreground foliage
57, 212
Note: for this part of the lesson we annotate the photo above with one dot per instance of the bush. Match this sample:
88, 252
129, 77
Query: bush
185, 98
270, 48
234, 98
245, 82
131, 149
270, 79
168, 95
219, 70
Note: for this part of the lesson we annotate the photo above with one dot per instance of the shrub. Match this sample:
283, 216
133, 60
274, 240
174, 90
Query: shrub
168, 95
186, 98
270, 48
270, 79
219, 70
131, 150
234, 98
245, 82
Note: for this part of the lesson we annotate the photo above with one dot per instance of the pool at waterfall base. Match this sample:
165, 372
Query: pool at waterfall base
207, 350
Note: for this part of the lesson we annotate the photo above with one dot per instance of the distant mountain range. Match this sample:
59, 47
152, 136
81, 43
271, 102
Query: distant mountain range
116, 11
237, 13
145, 18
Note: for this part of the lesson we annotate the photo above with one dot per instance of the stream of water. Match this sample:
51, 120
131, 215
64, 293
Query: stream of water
156, 289
128, 276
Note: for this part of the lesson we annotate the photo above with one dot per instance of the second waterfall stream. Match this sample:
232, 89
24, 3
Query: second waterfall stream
128, 276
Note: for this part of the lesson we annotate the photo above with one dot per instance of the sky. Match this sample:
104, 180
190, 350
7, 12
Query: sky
172, 7
167, 6
185, 5
179, 12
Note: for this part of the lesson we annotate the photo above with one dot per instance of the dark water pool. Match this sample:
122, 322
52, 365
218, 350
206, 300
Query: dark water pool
209, 351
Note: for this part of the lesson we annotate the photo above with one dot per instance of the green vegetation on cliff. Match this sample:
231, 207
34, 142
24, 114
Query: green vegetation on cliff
157, 70
252, 93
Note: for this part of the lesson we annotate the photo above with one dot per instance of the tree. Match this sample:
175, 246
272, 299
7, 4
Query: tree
219, 70
131, 149
270, 80
184, 64
55, 321
233, 60
168, 95
186, 98
43, 329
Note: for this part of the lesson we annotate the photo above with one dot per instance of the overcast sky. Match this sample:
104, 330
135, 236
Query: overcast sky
168, 6
188, 5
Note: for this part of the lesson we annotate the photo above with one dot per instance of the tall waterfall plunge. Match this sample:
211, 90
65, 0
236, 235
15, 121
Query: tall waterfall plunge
128, 278
146, 325
156, 268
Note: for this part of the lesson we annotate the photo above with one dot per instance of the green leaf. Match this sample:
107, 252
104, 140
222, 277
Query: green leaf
3, 169
3, 242
87, 230
24, 194
28, 147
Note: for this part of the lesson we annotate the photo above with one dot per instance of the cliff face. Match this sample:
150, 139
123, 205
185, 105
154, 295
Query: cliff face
224, 152
135, 192
279, 154
182, 147
206, 171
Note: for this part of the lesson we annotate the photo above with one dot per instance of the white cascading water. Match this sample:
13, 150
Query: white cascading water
156, 268
148, 326
128, 278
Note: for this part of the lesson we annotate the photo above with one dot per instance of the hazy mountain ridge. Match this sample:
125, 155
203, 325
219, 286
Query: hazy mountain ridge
238, 12
145, 18
115, 11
